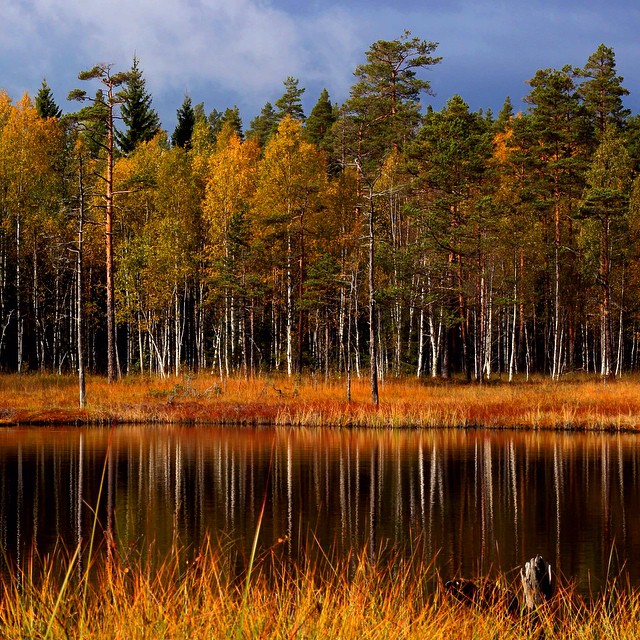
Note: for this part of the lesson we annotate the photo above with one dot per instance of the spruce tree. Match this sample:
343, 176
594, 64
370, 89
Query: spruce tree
184, 129
320, 121
45, 104
264, 125
504, 116
215, 122
140, 118
232, 117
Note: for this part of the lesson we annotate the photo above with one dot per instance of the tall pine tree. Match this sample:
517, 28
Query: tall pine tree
107, 102
382, 112
290, 103
602, 90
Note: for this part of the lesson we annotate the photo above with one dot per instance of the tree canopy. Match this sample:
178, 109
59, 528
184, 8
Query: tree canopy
380, 235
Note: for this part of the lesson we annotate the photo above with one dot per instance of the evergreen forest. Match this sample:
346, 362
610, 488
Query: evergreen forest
378, 237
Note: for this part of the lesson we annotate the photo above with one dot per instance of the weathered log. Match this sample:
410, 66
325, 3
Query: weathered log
537, 582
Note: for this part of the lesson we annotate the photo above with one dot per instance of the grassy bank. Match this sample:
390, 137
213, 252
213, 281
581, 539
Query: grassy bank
208, 599
576, 402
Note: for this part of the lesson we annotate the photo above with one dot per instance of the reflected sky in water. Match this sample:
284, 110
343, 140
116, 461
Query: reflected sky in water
477, 501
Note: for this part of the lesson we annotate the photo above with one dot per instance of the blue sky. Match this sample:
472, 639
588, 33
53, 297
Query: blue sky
227, 52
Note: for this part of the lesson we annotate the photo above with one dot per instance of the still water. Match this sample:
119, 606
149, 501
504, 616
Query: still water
477, 501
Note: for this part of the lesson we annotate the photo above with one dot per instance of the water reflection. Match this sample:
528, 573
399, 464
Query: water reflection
480, 501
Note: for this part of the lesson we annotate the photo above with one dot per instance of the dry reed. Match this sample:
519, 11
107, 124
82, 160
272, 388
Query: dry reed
573, 403
209, 598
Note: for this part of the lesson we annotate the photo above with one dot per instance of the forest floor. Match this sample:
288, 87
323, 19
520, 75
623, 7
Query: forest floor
577, 402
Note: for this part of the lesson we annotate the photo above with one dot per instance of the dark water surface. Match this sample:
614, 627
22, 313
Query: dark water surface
482, 501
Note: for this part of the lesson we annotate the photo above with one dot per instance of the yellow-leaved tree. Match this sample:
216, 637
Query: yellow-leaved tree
230, 186
30, 195
158, 251
292, 177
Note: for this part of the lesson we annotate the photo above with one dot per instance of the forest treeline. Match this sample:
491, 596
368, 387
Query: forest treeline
375, 237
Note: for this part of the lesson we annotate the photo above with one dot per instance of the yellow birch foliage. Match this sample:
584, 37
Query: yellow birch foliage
230, 185
29, 148
292, 177
158, 209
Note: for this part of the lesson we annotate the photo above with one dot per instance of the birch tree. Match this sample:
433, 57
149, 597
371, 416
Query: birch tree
292, 175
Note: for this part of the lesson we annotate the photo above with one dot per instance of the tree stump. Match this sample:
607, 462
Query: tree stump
537, 582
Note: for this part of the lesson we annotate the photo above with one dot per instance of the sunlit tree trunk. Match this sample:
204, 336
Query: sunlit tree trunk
620, 351
111, 308
421, 334
373, 355
79, 285
5, 316
301, 276
19, 314
512, 354
37, 321
605, 269
556, 356
289, 308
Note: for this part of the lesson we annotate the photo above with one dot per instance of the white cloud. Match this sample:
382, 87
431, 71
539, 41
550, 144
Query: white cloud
233, 43
241, 50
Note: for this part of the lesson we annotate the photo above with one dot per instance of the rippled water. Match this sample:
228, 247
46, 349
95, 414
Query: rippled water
478, 501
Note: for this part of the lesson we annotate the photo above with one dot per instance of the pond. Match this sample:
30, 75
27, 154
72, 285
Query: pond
476, 501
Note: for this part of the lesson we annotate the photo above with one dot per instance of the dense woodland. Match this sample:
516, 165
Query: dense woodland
376, 232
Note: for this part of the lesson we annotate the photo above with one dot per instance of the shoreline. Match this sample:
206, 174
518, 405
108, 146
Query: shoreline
580, 403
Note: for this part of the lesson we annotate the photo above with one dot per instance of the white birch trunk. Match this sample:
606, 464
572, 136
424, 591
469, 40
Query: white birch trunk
289, 309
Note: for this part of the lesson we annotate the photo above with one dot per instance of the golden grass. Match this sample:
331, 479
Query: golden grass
351, 599
580, 402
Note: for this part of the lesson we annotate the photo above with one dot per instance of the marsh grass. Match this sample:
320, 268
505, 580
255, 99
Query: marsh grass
352, 598
579, 402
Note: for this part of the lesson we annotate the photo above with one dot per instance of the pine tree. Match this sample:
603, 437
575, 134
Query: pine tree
558, 135
606, 199
106, 103
184, 129
382, 113
94, 124
602, 90
383, 110
140, 118
45, 104
455, 148
289, 104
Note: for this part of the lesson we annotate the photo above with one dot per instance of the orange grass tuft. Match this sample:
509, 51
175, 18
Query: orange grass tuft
577, 403
350, 599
